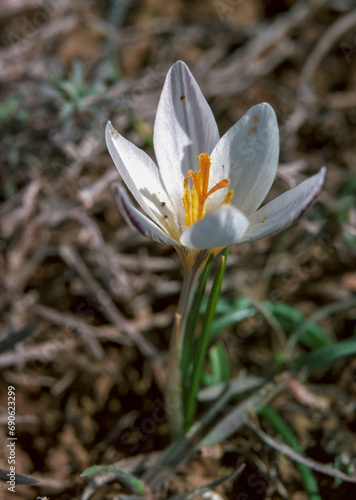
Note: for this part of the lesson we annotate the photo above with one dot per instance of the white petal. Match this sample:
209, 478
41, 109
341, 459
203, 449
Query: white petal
140, 174
136, 219
184, 128
248, 156
221, 228
285, 209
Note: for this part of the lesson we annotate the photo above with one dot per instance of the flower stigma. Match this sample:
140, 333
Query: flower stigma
194, 199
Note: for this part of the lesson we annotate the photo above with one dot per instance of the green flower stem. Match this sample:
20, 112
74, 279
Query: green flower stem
202, 344
190, 329
173, 393
310, 484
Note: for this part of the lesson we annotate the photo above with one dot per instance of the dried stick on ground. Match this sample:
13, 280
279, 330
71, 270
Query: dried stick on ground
71, 256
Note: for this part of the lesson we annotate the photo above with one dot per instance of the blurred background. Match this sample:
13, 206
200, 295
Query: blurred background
88, 303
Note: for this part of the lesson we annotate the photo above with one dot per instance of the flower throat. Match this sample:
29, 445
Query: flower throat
194, 199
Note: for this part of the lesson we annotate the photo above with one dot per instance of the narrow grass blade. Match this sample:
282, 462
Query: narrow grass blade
234, 315
243, 383
289, 319
239, 415
309, 481
299, 458
293, 321
219, 365
19, 478
322, 357
125, 478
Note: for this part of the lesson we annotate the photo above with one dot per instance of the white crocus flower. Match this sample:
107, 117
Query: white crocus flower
204, 193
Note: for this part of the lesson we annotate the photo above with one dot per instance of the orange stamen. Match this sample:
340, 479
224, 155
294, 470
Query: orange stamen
194, 199
228, 197
222, 184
